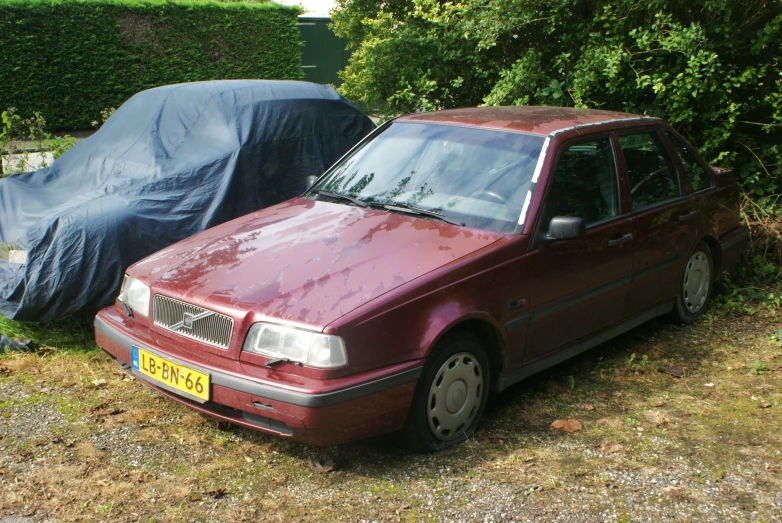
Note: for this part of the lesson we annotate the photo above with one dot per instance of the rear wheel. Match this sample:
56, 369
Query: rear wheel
451, 394
695, 286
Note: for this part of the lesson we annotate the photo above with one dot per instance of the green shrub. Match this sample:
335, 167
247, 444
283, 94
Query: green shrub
70, 59
18, 134
709, 67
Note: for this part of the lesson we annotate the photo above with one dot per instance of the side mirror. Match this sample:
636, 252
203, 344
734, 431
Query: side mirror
311, 180
566, 228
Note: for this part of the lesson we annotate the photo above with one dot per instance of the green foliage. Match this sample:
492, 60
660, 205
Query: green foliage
759, 367
749, 286
105, 114
709, 67
17, 134
74, 333
637, 363
71, 59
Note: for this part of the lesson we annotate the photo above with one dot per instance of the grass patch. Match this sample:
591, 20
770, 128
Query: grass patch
702, 446
71, 334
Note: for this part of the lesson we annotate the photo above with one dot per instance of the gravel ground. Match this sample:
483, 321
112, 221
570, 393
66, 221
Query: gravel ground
80, 441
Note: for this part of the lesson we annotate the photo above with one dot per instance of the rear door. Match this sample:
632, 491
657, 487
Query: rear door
579, 286
664, 219
700, 180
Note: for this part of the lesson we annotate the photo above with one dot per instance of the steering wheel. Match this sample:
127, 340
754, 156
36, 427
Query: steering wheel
507, 166
492, 195
646, 178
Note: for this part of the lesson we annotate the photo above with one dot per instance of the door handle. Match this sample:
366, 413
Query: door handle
619, 241
688, 216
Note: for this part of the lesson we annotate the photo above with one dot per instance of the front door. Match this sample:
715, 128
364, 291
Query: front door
579, 286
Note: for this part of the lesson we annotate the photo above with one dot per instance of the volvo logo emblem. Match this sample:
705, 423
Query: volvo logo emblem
188, 320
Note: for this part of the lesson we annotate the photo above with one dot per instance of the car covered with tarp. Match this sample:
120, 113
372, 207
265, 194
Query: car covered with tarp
170, 162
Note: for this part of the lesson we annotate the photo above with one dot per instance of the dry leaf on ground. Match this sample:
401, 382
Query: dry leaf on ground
492, 438
673, 370
610, 448
217, 493
568, 425
322, 466
63, 441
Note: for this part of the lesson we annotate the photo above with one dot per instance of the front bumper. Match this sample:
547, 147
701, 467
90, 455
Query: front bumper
318, 414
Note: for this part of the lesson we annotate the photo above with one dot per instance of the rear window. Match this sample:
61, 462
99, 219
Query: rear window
699, 177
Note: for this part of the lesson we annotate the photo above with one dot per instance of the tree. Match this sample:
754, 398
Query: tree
712, 68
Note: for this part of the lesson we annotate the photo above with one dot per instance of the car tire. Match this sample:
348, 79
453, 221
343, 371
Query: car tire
695, 285
451, 394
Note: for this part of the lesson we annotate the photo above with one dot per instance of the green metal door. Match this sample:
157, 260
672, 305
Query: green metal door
323, 54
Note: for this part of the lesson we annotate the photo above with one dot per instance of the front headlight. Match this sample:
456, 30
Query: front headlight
309, 348
135, 295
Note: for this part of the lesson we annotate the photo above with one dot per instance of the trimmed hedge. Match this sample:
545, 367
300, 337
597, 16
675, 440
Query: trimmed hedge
68, 59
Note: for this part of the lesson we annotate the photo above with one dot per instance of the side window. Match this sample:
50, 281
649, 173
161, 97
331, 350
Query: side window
699, 177
650, 170
584, 183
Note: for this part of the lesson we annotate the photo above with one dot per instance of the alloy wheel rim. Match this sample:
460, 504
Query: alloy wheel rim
697, 278
455, 396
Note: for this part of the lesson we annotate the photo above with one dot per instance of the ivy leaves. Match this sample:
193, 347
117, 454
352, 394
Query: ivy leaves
710, 68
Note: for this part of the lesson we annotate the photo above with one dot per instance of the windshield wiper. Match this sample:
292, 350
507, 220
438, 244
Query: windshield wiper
403, 207
400, 207
340, 196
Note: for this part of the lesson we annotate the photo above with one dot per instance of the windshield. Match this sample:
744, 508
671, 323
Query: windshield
473, 176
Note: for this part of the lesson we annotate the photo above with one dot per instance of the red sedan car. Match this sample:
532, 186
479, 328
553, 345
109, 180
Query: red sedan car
446, 254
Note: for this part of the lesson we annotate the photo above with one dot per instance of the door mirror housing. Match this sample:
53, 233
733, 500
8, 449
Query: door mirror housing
566, 228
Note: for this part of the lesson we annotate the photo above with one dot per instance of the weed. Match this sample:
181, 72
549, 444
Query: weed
602, 369
750, 286
759, 367
105, 114
638, 363
105, 510
15, 131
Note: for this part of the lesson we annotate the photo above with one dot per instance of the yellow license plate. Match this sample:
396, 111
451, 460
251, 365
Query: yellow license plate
173, 375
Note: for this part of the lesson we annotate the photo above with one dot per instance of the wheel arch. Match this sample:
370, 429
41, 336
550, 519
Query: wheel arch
485, 329
716, 254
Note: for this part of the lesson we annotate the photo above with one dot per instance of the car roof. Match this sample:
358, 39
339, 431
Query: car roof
543, 121
259, 91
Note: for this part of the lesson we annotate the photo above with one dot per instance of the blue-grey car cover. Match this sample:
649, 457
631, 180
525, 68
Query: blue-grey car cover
171, 162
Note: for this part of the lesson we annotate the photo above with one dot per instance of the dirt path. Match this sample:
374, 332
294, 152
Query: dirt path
80, 440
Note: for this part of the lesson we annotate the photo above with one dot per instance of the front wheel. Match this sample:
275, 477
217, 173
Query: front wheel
451, 394
695, 287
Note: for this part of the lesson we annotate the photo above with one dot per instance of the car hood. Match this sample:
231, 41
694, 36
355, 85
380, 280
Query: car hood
305, 262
